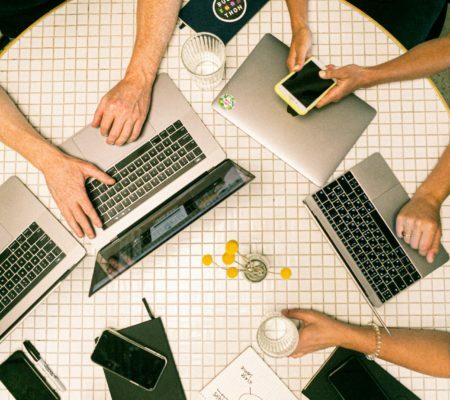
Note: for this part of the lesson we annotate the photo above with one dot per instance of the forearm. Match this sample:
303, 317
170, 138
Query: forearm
298, 12
437, 186
422, 61
155, 24
424, 351
17, 133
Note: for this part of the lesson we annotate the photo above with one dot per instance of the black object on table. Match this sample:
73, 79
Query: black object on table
151, 334
411, 22
223, 18
320, 388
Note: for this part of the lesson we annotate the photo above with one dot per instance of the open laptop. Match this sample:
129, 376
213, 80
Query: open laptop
357, 213
36, 253
175, 156
313, 144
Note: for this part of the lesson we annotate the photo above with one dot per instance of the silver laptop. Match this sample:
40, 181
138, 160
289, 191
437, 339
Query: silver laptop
174, 149
357, 214
170, 176
36, 253
313, 144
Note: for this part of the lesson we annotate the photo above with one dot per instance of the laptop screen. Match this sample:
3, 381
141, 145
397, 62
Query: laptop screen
167, 220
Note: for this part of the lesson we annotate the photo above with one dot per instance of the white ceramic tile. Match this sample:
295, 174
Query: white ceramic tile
79, 52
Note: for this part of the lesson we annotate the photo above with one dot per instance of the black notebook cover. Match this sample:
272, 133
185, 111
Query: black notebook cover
319, 387
224, 18
151, 334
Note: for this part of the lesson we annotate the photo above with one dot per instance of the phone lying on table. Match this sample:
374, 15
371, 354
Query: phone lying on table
352, 381
129, 359
23, 380
302, 90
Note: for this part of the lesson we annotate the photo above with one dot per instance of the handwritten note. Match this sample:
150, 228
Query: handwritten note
248, 377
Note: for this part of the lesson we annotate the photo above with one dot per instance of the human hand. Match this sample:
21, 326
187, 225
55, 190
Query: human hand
66, 177
317, 331
123, 110
301, 44
348, 79
419, 224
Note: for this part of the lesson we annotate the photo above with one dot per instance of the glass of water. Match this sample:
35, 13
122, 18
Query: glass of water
277, 336
203, 55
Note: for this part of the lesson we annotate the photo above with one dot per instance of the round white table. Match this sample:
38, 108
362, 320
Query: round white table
57, 72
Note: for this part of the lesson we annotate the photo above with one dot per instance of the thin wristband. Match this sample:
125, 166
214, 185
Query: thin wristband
377, 351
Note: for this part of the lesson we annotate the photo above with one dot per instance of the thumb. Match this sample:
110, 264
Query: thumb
96, 173
328, 73
300, 314
434, 247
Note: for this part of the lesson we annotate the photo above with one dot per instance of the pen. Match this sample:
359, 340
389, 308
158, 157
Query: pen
147, 307
37, 357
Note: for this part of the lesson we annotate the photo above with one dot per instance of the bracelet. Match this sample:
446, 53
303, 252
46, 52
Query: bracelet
376, 353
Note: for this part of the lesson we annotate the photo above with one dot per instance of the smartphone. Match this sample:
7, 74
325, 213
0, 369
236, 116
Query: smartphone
302, 90
23, 380
353, 381
132, 361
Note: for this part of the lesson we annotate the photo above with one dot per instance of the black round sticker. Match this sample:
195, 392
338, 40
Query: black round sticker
229, 10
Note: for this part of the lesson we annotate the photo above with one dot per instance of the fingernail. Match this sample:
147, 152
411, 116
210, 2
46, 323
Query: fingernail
322, 74
296, 67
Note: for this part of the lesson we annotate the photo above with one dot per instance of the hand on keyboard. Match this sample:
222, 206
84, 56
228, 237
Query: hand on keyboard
66, 177
123, 110
419, 224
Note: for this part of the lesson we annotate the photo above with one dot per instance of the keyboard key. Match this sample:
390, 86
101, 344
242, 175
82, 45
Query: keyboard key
42, 241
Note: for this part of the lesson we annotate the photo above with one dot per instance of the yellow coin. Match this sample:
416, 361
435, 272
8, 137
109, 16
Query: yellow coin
232, 272
207, 259
286, 273
232, 247
228, 258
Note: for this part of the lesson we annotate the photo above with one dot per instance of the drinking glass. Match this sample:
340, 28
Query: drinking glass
277, 336
203, 55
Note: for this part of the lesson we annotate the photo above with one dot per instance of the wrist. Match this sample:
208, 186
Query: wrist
357, 338
50, 158
345, 335
433, 196
298, 24
140, 75
369, 77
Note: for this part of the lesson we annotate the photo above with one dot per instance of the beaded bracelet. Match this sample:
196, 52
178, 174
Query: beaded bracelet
376, 353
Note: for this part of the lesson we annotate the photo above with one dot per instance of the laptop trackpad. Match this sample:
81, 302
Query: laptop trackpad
5, 238
94, 148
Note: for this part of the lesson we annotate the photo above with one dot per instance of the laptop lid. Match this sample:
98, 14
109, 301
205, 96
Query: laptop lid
313, 144
166, 221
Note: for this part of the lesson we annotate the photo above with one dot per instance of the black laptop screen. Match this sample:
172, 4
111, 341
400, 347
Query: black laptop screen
166, 221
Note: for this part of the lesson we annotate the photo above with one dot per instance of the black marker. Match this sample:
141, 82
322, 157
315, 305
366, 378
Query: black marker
37, 357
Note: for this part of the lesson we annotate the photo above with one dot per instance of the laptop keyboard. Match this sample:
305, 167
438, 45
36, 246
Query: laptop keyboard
24, 263
366, 236
145, 172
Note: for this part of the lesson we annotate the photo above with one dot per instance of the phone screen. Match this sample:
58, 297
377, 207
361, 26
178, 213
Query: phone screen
353, 382
23, 381
128, 360
306, 85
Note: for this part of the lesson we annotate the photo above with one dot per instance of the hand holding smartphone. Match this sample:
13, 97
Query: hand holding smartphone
127, 358
302, 90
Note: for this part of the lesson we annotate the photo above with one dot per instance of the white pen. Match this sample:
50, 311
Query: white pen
37, 357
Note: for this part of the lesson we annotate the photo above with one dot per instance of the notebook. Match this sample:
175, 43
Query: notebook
151, 334
223, 18
319, 387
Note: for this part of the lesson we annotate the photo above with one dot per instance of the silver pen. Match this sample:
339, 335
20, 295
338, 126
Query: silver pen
37, 357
